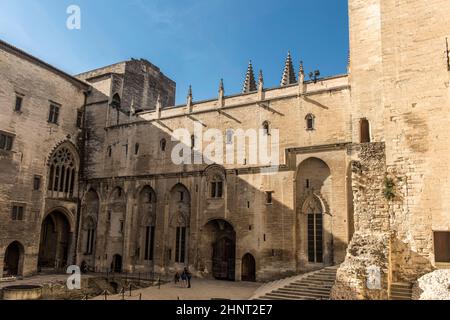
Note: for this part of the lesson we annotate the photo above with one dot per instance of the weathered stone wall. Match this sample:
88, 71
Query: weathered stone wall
400, 82
370, 245
34, 141
138, 83
269, 232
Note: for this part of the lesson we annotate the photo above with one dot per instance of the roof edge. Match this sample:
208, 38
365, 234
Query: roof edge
14, 50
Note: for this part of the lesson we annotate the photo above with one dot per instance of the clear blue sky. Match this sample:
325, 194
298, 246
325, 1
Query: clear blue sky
193, 41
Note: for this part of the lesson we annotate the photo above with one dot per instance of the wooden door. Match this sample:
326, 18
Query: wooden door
248, 268
442, 246
223, 259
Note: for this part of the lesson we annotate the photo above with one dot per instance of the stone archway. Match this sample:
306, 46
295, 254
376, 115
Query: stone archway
13, 261
248, 272
314, 228
220, 246
55, 241
178, 239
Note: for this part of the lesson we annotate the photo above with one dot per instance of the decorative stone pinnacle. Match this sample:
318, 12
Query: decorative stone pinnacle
288, 72
249, 82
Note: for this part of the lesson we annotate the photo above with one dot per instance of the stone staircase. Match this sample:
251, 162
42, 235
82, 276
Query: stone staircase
310, 286
401, 291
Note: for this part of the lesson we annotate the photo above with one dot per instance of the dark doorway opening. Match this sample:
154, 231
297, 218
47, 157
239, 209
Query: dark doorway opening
12, 263
55, 241
442, 246
116, 264
248, 268
223, 241
364, 130
224, 259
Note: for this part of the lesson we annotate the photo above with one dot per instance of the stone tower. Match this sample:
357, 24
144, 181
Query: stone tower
399, 75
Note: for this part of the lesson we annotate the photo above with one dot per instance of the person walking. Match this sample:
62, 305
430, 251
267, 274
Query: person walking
188, 276
184, 278
176, 278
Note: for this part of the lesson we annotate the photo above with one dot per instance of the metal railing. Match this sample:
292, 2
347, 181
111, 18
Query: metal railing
132, 276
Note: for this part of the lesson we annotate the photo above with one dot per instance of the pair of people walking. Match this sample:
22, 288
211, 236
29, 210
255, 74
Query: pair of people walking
185, 278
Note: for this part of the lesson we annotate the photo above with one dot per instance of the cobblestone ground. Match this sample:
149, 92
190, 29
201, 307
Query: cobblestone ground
202, 289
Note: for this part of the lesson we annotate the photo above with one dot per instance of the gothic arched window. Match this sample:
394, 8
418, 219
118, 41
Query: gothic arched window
216, 187
147, 206
313, 209
193, 138
266, 128
162, 144
90, 236
309, 121
62, 173
364, 130
115, 102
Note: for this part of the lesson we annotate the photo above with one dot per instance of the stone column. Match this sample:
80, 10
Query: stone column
365, 273
127, 264
2, 258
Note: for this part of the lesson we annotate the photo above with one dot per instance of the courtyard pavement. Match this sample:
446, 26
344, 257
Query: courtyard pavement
202, 289
38, 280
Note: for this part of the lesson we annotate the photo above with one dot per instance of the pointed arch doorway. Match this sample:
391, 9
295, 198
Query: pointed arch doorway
222, 238
314, 213
13, 261
56, 238
248, 272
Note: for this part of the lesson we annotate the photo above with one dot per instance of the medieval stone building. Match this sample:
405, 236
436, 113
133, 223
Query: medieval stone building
87, 171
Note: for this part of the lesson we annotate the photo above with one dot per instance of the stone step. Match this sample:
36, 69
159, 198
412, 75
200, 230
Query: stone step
321, 275
330, 272
274, 296
396, 296
401, 284
400, 298
316, 283
285, 297
294, 297
308, 287
301, 294
309, 290
401, 288
305, 284
313, 286
400, 291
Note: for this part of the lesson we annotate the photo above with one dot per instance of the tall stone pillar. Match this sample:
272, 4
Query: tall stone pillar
365, 273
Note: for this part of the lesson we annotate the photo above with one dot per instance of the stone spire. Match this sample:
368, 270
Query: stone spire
189, 99
249, 82
288, 73
301, 79
221, 93
261, 85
